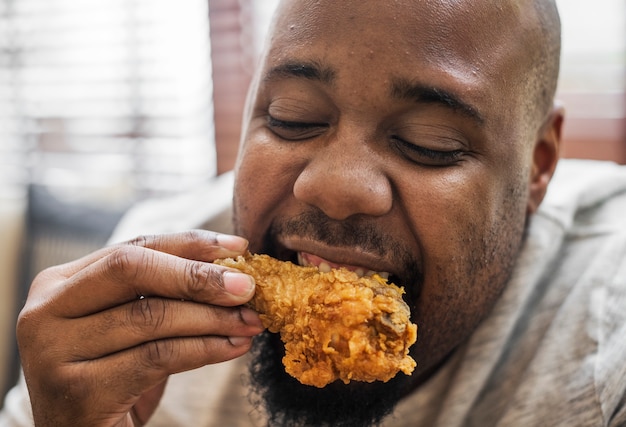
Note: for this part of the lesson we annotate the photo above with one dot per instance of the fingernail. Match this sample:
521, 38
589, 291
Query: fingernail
239, 341
251, 317
233, 243
238, 284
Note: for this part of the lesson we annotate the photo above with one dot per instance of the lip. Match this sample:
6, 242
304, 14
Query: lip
288, 246
345, 256
324, 265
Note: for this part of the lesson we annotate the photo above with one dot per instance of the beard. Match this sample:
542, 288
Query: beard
284, 400
287, 402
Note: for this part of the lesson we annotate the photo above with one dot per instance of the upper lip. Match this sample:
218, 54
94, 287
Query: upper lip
340, 255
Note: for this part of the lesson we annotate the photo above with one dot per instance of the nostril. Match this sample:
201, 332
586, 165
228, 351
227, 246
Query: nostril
341, 192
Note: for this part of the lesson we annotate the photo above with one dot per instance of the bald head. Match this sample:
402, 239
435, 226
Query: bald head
533, 24
547, 54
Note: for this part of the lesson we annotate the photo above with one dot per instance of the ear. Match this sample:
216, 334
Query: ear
545, 157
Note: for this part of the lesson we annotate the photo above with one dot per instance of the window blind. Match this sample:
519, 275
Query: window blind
106, 98
592, 84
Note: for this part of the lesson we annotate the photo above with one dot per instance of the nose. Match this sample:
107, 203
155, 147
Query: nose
342, 183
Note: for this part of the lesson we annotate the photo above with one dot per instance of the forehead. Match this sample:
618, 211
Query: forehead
473, 48
472, 30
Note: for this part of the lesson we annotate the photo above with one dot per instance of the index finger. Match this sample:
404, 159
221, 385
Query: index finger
169, 265
199, 245
131, 272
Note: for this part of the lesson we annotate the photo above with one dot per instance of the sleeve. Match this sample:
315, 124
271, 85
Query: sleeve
619, 419
611, 361
17, 411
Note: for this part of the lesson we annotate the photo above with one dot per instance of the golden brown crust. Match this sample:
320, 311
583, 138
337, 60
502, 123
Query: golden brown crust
334, 325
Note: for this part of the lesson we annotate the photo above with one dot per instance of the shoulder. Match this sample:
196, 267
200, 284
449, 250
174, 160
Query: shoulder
578, 235
565, 303
585, 209
586, 186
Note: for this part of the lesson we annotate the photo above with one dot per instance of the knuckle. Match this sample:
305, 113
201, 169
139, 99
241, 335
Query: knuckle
26, 318
26, 329
154, 355
32, 327
200, 277
140, 241
147, 313
191, 235
128, 262
123, 259
207, 236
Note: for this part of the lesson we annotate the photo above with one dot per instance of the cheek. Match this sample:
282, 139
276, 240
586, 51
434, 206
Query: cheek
469, 226
464, 217
263, 180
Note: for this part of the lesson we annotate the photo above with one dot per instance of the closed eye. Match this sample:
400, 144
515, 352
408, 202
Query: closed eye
294, 130
428, 156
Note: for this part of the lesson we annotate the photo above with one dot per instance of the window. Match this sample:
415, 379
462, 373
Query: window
593, 76
102, 102
112, 99
593, 72
106, 99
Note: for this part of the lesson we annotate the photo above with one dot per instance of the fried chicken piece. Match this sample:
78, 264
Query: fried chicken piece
334, 325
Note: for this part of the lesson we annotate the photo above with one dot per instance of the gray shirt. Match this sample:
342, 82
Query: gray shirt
551, 353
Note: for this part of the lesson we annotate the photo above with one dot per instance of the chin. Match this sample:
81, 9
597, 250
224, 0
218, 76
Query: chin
286, 402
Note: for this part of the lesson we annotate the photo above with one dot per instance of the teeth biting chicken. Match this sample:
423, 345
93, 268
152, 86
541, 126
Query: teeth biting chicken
334, 324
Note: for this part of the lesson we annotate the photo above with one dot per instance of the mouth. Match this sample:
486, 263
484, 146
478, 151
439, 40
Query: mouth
307, 259
400, 269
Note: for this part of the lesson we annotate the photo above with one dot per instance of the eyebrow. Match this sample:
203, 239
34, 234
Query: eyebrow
400, 88
404, 89
308, 70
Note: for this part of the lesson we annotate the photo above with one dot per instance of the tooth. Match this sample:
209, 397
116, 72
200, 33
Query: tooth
370, 273
384, 275
324, 267
359, 272
300, 259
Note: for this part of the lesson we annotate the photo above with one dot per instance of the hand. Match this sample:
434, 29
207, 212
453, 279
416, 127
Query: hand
99, 336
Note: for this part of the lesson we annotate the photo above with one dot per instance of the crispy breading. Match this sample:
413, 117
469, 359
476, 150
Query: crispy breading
334, 325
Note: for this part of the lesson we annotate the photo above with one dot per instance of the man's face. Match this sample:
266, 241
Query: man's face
388, 136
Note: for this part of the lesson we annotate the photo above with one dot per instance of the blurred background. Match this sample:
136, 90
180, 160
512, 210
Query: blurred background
107, 102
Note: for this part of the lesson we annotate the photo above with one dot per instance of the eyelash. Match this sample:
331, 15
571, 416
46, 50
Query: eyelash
439, 158
283, 124
443, 157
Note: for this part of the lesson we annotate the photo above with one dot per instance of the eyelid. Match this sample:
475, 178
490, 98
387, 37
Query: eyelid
293, 130
439, 157
289, 124
443, 134
298, 108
